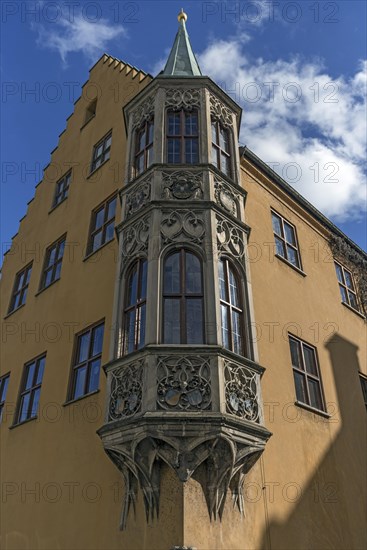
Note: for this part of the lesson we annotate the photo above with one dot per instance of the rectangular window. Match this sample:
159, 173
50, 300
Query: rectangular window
87, 362
221, 154
286, 244
363, 379
182, 137
30, 389
306, 372
62, 189
4, 382
53, 260
20, 288
101, 152
346, 286
102, 224
144, 147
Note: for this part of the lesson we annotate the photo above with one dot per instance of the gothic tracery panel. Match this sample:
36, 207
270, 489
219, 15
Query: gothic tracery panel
230, 238
135, 238
178, 98
182, 185
182, 226
241, 390
126, 391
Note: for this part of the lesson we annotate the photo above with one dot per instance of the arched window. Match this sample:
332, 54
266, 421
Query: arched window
144, 147
182, 137
221, 148
231, 308
135, 306
183, 308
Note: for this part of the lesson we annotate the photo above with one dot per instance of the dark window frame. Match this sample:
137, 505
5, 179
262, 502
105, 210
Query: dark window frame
347, 289
61, 241
148, 146
20, 291
102, 157
4, 386
283, 238
228, 266
87, 362
182, 137
62, 189
219, 150
23, 391
136, 307
183, 296
93, 231
307, 375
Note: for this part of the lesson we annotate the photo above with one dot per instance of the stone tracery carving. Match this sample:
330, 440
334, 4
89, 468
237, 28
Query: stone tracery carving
135, 237
182, 98
182, 225
183, 383
138, 197
226, 198
220, 112
126, 391
242, 392
143, 112
182, 185
230, 238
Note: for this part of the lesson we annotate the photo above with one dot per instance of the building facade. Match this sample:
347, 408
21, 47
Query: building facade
184, 337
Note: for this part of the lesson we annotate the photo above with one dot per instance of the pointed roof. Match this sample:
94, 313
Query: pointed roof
181, 60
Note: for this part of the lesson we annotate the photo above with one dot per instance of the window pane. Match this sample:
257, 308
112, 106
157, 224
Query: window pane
83, 347
80, 375
191, 150
30, 376
174, 156
215, 156
292, 255
222, 282
97, 340
172, 321
295, 354
132, 287
61, 249
108, 142
99, 218
352, 300
223, 139
277, 226
174, 124
233, 289
225, 164
224, 311
41, 368
51, 256
348, 279
339, 273
315, 394
214, 132
310, 361
20, 281
48, 277
29, 271
34, 407
16, 301
130, 328
22, 297
111, 209
110, 231
149, 156
150, 133
172, 274
193, 274
141, 140
141, 328
94, 367
279, 247
194, 320
98, 151
191, 124
139, 166
300, 383
289, 233
57, 271
23, 410
97, 240
4, 388
343, 293
236, 332
143, 279
106, 155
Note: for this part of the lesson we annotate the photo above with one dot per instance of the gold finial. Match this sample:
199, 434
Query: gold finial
182, 16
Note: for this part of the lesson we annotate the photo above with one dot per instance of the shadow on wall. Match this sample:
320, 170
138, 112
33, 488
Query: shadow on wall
331, 512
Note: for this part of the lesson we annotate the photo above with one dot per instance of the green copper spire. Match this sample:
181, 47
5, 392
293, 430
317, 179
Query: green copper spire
181, 60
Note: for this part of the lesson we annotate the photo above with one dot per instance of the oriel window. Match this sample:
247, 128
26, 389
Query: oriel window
135, 307
144, 147
221, 148
231, 308
182, 137
183, 308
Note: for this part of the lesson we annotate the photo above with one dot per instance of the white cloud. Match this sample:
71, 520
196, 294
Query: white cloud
78, 35
311, 119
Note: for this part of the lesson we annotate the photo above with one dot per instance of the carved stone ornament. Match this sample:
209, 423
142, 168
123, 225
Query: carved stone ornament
182, 226
182, 99
138, 197
183, 383
230, 238
182, 185
226, 198
135, 237
220, 112
126, 391
241, 390
355, 262
143, 112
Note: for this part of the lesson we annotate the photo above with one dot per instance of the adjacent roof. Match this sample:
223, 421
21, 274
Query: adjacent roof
181, 60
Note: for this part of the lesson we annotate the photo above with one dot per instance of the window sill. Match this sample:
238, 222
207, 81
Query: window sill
71, 401
23, 422
300, 271
56, 205
312, 409
14, 310
97, 249
46, 287
87, 122
354, 310
96, 169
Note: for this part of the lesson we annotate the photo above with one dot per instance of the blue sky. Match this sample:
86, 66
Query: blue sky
298, 69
